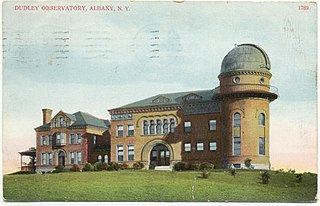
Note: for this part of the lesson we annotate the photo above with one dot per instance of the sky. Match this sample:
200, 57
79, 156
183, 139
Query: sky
93, 61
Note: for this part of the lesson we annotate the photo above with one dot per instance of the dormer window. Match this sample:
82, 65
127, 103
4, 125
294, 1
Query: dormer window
160, 99
61, 121
191, 97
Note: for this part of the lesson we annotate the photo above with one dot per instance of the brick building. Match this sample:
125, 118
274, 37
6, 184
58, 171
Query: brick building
68, 139
225, 126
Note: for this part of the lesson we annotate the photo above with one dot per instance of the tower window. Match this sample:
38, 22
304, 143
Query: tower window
236, 146
262, 119
236, 80
262, 81
236, 120
261, 146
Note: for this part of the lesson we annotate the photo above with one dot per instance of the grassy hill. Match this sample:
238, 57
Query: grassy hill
150, 185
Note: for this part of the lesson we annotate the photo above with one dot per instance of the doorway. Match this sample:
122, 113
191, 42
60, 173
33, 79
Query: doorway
160, 155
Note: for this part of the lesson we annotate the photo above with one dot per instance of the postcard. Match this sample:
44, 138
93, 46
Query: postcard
179, 101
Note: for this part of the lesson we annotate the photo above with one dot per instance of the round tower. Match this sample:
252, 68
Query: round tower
245, 94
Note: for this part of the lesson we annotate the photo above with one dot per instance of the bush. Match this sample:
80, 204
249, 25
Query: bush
205, 174
206, 166
59, 168
75, 168
97, 166
180, 166
299, 178
247, 163
265, 176
292, 171
152, 166
138, 165
104, 166
124, 166
233, 172
195, 166
218, 166
88, 167
23, 172
113, 166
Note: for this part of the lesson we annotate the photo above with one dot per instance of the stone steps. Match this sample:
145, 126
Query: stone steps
163, 168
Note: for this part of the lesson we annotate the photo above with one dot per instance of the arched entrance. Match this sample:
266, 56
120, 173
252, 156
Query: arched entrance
61, 158
160, 155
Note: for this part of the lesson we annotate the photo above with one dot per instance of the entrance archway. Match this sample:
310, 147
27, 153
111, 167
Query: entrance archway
160, 155
61, 158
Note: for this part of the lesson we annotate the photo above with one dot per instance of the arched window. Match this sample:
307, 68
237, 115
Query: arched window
145, 127
152, 126
99, 158
106, 158
165, 126
158, 127
262, 119
172, 125
236, 120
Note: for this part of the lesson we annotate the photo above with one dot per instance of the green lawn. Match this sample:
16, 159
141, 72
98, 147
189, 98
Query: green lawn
159, 186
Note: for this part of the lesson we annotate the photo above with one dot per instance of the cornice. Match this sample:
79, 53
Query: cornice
245, 72
145, 109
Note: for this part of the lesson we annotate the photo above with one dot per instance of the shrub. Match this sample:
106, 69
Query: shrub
124, 166
233, 172
88, 167
265, 176
247, 163
104, 166
205, 174
113, 166
97, 166
152, 166
291, 171
75, 168
195, 166
206, 166
179, 166
59, 168
218, 166
299, 178
23, 172
138, 165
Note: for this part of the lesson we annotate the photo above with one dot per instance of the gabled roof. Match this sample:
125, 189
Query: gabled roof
81, 119
172, 99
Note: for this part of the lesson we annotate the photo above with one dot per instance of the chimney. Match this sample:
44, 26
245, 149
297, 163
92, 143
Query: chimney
46, 115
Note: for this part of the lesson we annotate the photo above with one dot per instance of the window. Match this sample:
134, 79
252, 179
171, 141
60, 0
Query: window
187, 126
71, 138
200, 146
261, 146
43, 140
60, 138
236, 80
72, 158
61, 121
262, 118
94, 139
130, 152
236, 120
167, 153
152, 127
187, 147
79, 138
99, 158
79, 158
145, 127
119, 130
50, 140
120, 153
212, 125
43, 158
158, 127
130, 130
236, 146
50, 158
213, 146
106, 158
238, 166
172, 125
165, 126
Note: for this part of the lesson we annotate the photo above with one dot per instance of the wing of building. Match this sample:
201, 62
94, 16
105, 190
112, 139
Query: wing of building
68, 139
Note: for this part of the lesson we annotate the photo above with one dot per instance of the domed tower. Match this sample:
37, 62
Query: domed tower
245, 94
